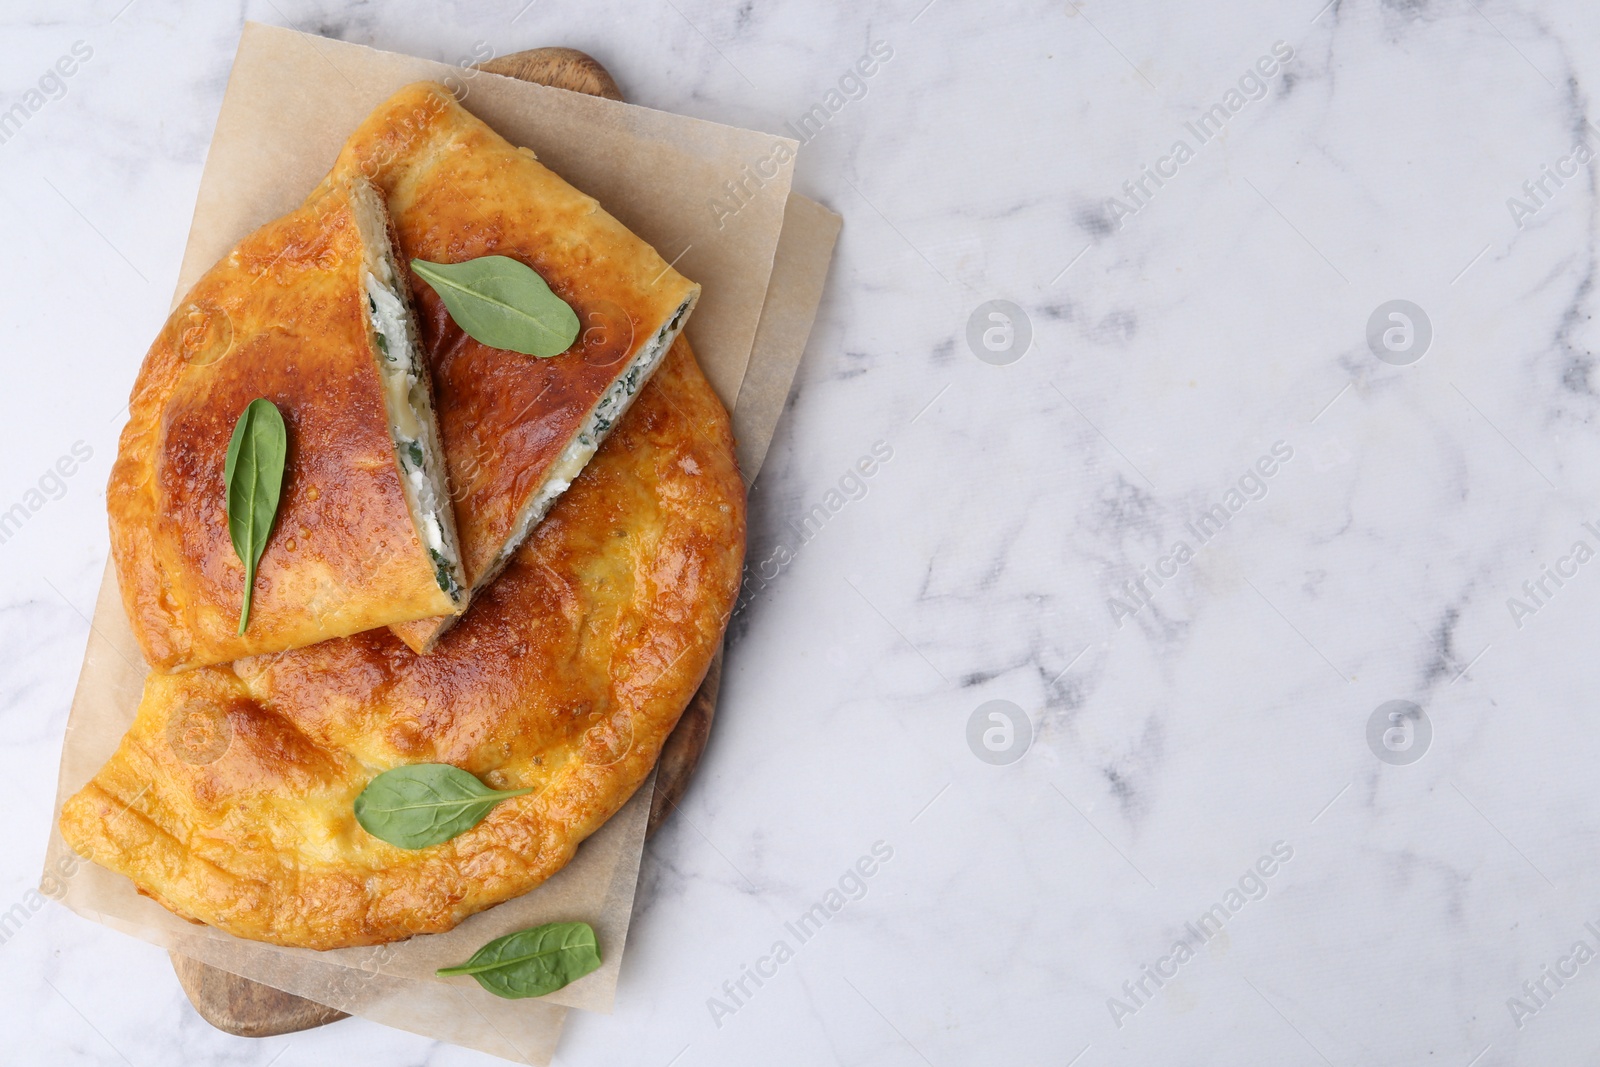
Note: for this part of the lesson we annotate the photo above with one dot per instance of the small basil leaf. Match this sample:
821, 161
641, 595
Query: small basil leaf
253, 474
503, 303
425, 804
531, 963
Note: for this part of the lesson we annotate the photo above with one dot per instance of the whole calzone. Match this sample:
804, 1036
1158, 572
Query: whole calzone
230, 800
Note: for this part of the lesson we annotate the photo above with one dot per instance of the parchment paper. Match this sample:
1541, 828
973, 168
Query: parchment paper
805, 248
290, 103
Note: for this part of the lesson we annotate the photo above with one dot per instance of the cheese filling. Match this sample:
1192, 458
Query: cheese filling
415, 436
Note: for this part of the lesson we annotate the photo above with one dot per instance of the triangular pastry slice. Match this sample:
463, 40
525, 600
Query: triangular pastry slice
517, 430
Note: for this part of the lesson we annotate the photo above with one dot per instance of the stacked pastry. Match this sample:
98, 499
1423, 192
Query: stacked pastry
425, 509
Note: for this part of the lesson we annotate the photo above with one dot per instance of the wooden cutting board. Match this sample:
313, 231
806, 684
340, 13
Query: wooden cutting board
249, 1009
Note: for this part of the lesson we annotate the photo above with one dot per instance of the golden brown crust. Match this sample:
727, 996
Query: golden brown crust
457, 190
566, 676
283, 316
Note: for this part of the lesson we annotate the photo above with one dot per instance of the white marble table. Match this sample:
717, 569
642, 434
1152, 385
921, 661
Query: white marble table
1182, 729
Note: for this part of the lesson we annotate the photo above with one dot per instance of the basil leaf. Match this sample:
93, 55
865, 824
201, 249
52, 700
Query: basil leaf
531, 963
425, 804
254, 477
503, 303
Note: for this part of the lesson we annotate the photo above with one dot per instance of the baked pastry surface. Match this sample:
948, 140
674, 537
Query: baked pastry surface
230, 799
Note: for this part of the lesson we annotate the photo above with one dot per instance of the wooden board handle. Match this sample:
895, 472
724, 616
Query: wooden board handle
562, 68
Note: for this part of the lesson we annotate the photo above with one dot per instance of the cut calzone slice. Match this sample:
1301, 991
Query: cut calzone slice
517, 430
311, 312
